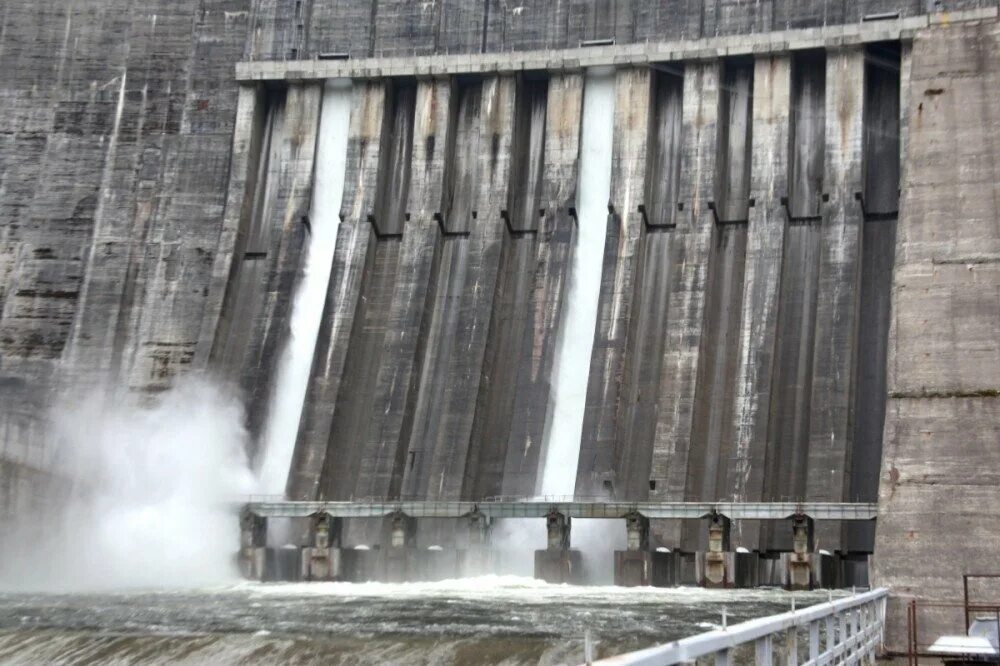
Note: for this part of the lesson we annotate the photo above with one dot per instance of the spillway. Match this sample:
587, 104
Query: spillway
564, 422
324, 220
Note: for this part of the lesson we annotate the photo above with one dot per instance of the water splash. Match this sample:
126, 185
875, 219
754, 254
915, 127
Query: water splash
149, 494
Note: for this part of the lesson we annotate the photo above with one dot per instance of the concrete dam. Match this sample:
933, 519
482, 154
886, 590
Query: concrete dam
630, 253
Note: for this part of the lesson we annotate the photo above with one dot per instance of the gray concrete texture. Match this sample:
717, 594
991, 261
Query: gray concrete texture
762, 312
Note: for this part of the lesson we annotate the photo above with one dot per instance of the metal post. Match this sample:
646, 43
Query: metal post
722, 658
813, 641
792, 646
763, 652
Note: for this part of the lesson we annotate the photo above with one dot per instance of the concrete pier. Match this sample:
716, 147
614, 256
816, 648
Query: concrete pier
558, 563
321, 560
253, 544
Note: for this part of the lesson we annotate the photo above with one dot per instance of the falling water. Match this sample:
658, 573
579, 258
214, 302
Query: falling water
564, 424
296, 360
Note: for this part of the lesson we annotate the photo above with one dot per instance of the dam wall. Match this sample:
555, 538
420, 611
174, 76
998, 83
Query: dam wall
798, 258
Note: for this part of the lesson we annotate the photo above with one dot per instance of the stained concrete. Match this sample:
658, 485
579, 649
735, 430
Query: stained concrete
151, 223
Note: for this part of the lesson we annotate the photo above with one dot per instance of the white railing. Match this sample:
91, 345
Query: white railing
852, 630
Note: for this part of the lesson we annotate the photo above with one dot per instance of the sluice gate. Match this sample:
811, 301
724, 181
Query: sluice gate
321, 551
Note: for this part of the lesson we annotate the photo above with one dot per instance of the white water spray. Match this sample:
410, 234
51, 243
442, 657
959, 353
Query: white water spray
149, 493
564, 425
307, 310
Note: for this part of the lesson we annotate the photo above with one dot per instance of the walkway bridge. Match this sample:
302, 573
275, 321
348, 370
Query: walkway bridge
542, 507
397, 557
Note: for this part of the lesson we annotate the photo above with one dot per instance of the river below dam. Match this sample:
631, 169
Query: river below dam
487, 620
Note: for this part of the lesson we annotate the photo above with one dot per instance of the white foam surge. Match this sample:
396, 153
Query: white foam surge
307, 311
564, 423
149, 494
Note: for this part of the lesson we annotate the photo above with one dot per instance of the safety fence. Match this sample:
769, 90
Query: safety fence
843, 631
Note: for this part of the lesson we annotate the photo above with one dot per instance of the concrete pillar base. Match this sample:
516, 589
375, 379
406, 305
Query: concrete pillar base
715, 569
643, 568
321, 564
251, 562
797, 571
559, 566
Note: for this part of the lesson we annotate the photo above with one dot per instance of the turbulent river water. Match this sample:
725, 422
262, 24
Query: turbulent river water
488, 620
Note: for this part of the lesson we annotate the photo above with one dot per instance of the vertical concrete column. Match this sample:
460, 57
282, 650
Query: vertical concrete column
452, 366
243, 168
765, 242
637, 531
321, 558
399, 561
693, 234
550, 265
394, 395
558, 528
799, 573
340, 309
717, 567
603, 455
557, 563
836, 312
253, 545
478, 556
638, 565
262, 283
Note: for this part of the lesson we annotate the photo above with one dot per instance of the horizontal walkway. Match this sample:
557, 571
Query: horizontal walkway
541, 507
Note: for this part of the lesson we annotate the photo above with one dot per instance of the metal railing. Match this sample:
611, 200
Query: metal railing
573, 508
852, 630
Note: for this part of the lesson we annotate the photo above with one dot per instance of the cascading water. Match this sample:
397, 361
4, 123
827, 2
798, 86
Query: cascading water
564, 424
296, 360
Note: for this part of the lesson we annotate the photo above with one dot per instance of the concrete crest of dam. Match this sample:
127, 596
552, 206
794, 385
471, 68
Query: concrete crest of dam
788, 295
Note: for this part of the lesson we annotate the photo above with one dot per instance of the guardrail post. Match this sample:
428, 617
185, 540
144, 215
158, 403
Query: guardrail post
792, 646
722, 658
813, 641
762, 652
831, 634
843, 634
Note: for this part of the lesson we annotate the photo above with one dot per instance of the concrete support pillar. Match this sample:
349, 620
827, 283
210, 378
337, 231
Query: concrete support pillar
253, 543
638, 566
557, 563
799, 572
637, 526
399, 562
321, 558
717, 568
477, 558
761, 286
